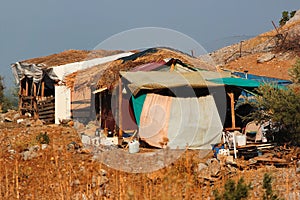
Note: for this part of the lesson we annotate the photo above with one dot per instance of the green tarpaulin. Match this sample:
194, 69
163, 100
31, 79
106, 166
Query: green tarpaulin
138, 103
236, 82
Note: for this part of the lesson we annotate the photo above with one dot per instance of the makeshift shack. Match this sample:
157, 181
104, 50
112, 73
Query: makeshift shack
176, 106
43, 91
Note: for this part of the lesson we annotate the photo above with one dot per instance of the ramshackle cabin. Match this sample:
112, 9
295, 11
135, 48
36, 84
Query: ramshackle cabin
43, 90
153, 59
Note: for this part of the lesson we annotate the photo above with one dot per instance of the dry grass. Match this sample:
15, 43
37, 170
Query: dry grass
107, 74
70, 56
57, 173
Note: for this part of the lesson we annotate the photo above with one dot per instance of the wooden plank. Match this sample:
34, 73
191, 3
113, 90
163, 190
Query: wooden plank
231, 96
46, 108
120, 109
43, 88
47, 116
47, 100
46, 105
26, 87
46, 112
34, 89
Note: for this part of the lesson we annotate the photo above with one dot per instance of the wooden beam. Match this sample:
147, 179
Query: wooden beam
120, 109
231, 96
43, 88
34, 89
26, 89
20, 97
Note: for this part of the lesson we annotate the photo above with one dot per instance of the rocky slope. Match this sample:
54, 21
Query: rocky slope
268, 54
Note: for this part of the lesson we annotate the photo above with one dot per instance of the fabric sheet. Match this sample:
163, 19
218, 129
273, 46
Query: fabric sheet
192, 123
154, 119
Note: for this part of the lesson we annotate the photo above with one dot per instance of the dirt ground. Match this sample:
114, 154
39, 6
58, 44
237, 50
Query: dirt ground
64, 169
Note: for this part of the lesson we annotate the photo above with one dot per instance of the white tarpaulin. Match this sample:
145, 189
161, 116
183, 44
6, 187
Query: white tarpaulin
63, 70
186, 122
57, 73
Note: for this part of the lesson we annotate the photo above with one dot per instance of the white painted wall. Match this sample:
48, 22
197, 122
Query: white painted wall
62, 103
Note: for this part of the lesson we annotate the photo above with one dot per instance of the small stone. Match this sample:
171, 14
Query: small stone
39, 122
102, 172
34, 148
44, 146
12, 151
28, 155
7, 119
85, 151
75, 182
201, 166
85, 139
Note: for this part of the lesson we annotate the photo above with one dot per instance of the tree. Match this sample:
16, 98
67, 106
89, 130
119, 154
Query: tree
5, 103
269, 194
281, 106
294, 72
286, 16
233, 191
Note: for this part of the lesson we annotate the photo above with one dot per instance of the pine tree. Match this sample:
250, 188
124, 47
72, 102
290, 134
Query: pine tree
281, 106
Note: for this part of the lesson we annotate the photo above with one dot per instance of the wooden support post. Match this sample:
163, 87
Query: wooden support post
34, 89
26, 88
172, 67
100, 109
43, 89
20, 97
120, 112
231, 96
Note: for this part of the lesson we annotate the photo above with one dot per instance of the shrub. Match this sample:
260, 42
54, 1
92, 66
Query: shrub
268, 191
281, 106
233, 191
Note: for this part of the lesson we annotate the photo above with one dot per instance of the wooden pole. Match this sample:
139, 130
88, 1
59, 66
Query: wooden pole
120, 109
26, 88
231, 96
43, 89
20, 97
34, 89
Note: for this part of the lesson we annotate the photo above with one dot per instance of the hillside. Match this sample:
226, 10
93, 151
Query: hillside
269, 54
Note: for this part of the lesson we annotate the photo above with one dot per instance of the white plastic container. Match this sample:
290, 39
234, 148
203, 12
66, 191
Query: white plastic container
240, 140
134, 146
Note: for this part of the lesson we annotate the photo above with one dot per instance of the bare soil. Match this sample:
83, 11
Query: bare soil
61, 172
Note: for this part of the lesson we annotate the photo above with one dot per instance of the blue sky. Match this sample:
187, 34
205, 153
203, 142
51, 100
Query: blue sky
34, 28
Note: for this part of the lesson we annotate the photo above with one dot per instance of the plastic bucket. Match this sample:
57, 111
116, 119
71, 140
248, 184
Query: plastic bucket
240, 140
134, 146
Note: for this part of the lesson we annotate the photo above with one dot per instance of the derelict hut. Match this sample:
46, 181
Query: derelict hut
157, 59
36, 90
43, 90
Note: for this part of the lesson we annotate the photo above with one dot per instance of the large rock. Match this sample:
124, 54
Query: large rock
295, 18
266, 57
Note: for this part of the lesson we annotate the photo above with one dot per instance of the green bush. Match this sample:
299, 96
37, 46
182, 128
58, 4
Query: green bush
286, 16
233, 191
281, 106
268, 191
43, 138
